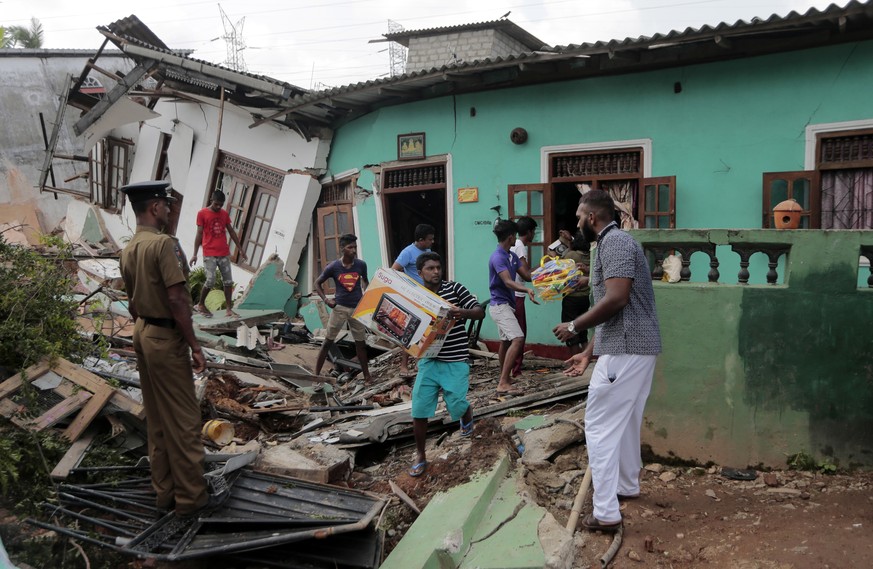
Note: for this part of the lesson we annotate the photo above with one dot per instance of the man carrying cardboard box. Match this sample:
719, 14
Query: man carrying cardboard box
449, 370
350, 277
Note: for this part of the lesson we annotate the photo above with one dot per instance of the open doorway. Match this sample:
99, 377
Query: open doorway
406, 209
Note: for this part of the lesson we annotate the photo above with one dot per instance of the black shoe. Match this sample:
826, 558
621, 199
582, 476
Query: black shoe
214, 502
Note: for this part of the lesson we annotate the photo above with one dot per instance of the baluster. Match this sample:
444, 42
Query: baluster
658, 270
745, 254
772, 275
685, 271
713, 268
867, 252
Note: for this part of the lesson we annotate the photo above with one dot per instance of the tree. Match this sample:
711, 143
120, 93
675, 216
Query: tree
37, 312
20, 36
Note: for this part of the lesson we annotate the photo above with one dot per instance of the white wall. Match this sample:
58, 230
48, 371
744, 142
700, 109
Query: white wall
30, 82
279, 148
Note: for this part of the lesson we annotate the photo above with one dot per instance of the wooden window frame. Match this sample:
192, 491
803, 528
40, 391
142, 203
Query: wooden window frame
240, 210
329, 203
421, 177
544, 221
108, 172
643, 213
596, 179
813, 214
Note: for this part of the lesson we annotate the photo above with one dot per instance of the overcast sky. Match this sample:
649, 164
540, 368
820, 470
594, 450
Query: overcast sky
324, 43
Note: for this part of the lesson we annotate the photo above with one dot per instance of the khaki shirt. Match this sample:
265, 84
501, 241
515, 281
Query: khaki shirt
150, 263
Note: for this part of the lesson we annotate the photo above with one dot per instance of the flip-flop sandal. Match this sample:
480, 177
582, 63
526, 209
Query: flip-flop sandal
738, 473
509, 392
591, 523
418, 469
466, 430
202, 313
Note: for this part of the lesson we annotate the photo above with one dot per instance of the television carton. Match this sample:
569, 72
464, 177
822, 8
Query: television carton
397, 308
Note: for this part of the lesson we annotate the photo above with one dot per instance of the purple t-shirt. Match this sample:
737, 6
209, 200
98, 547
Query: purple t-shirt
348, 281
500, 261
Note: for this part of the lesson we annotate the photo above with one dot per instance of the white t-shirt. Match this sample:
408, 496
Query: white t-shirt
520, 249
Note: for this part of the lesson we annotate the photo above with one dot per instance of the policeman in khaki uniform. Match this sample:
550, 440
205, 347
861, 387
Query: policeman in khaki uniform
153, 269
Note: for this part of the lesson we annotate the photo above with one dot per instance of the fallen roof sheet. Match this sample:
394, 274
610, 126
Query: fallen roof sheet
263, 511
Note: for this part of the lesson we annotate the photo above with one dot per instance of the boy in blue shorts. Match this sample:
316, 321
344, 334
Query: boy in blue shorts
449, 370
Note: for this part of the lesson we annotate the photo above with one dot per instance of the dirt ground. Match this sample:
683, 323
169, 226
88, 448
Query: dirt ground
685, 517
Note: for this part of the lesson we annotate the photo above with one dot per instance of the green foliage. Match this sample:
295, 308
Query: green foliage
197, 279
801, 461
21, 36
37, 315
826, 466
805, 461
25, 457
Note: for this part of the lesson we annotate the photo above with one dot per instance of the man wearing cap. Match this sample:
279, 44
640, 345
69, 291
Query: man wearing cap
213, 224
163, 338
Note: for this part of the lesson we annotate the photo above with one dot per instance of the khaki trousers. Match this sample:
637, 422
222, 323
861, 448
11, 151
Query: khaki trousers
172, 416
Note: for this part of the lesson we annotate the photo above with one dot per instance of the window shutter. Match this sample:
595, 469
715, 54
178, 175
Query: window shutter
657, 203
802, 186
535, 201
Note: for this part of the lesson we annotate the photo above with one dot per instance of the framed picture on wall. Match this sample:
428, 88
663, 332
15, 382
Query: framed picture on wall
410, 146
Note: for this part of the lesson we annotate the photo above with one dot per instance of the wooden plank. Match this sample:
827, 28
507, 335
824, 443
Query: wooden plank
12, 384
61, 410
93, 382
73, 456
86, 415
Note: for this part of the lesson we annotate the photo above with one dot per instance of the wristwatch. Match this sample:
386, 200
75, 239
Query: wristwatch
572, 327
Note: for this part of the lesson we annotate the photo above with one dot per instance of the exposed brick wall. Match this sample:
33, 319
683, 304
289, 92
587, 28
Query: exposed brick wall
436, 51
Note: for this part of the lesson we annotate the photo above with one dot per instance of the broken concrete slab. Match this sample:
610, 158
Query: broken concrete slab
317, 463
497, 527
542, 443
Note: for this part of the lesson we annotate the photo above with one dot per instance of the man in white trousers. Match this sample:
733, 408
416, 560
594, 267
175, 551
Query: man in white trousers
627, 341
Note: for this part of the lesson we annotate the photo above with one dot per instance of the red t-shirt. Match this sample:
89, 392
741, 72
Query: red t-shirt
214, 224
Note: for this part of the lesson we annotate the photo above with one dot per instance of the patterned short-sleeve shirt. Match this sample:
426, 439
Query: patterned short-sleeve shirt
635, 329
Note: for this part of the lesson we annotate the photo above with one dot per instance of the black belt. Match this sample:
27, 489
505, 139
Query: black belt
162, 322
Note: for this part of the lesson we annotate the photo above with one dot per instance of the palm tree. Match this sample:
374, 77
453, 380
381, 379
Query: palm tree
5, 39
20, 36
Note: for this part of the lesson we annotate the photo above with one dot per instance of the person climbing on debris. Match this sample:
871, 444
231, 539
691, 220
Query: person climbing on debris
627, 340
213, 223
164, 342
424, 238
503, 265
449, 370
349, 275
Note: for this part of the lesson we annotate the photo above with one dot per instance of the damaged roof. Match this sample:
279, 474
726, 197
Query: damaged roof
795, 31
178, 70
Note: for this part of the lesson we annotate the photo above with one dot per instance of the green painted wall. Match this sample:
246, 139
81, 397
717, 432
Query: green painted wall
732, 121
752, 373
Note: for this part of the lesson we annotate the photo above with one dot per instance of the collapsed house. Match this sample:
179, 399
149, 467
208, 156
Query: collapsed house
199, 126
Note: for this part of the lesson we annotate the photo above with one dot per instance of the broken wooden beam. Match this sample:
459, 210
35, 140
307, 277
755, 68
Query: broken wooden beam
266, 372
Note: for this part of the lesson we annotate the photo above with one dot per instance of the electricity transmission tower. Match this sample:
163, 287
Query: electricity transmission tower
396, 52
234, 39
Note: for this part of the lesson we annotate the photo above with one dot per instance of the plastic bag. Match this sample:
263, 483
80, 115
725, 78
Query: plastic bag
555, 278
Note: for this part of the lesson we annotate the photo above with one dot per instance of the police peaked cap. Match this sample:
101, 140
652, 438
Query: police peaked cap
145, 191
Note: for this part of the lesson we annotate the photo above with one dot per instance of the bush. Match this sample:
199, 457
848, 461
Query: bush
37, 313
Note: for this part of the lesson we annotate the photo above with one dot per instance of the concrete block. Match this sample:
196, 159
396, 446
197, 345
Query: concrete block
321, 463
